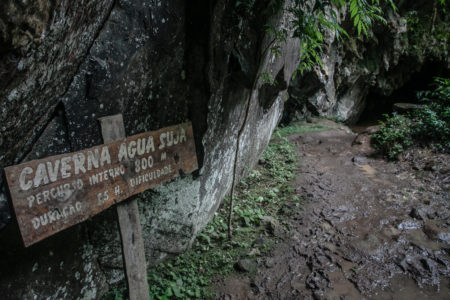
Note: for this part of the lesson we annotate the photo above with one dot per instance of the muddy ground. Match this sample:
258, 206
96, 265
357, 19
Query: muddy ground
369, 229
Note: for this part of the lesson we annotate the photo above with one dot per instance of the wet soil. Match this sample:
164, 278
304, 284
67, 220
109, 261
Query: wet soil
369, 229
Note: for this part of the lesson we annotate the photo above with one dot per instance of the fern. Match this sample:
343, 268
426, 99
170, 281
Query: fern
364, 13
311, 18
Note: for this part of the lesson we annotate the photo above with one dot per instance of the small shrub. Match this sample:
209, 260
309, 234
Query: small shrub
432, 123
428, 126
394, 136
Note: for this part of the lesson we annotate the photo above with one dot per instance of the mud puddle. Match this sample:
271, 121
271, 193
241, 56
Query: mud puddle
370, 229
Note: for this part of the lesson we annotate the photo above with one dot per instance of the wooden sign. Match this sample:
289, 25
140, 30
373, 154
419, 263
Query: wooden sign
56, 192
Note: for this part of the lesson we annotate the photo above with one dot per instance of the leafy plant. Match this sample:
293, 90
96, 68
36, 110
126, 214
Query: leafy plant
428, 32
413, 21
432, 123
395, 135
429, 125
312, 17
267, 78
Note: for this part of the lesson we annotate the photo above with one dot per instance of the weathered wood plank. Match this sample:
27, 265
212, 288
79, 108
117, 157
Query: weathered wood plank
51, 194
129, 224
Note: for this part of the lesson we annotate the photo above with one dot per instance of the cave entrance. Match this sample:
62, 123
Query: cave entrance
378, 105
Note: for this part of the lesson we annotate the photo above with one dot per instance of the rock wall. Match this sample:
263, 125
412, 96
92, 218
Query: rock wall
415, 35
66, 63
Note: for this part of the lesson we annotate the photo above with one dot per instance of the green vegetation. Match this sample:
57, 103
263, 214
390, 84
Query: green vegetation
429, 126
428, 32
267, 191
299, 127
312, 18
394, 136
432, 123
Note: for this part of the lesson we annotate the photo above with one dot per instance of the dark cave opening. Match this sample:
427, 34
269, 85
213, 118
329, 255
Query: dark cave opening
378, 105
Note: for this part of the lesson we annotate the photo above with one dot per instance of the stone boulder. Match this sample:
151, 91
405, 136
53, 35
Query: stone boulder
406, 107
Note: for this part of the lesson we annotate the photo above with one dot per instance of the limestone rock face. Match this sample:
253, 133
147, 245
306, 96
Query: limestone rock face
66, 63
380, 63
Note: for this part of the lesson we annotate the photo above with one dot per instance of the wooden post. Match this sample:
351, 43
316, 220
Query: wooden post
129, 223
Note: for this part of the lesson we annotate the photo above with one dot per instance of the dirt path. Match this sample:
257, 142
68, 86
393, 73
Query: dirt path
370, 229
